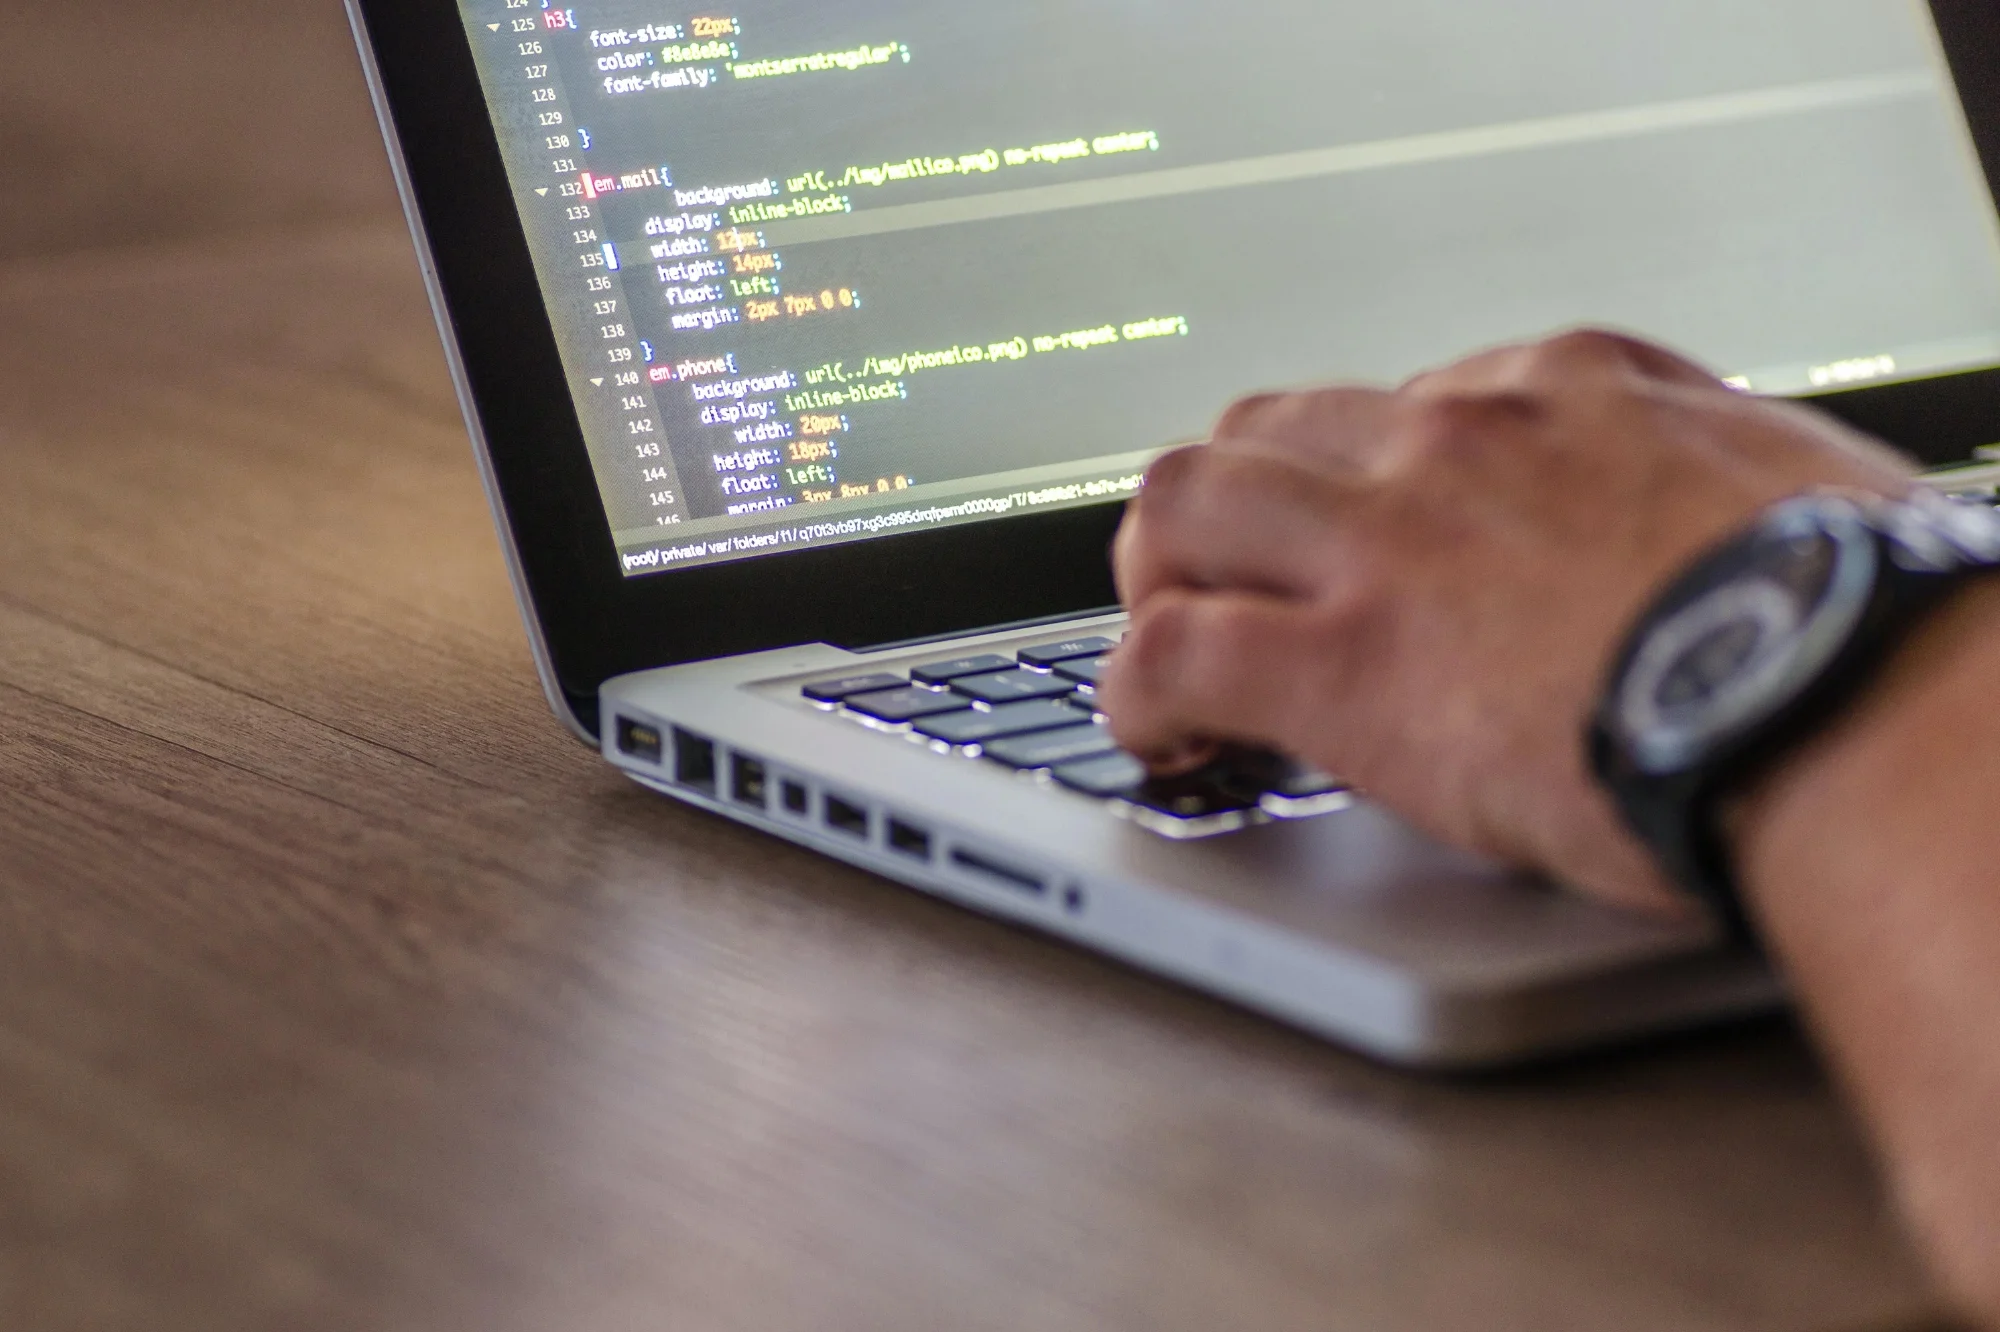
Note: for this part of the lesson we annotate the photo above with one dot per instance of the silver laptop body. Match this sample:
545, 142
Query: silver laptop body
1345, 923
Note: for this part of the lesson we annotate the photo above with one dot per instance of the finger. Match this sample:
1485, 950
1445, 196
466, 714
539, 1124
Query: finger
1331, 429
1202, 667
1245, 520
1563, 359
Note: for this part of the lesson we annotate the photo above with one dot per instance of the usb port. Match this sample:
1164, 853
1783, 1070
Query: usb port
843, 817
748, 781
694, 761
909, 840
639, 740
798, 800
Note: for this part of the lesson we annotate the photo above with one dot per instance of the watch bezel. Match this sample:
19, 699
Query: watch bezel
1773, 679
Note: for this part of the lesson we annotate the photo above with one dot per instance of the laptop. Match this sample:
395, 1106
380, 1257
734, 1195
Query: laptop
811, 350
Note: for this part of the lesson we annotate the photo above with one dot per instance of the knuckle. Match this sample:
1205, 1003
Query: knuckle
1277, 418
1450, 428
1336, 399
1172, 476
1243, 417
1498, 364
1206, 485
1422, 383
1232, 480
1586, 346
1310, 423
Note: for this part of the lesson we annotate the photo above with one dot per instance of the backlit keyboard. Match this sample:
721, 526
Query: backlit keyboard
1034, 712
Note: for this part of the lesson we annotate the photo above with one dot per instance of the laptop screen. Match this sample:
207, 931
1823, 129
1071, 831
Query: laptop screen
826, 272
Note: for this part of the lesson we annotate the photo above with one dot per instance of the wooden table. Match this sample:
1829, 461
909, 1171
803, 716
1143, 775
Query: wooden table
340, 989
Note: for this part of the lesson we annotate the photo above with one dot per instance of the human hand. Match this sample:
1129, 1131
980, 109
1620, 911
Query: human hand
1421, 590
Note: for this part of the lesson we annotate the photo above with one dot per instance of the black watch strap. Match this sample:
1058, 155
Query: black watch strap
1921, 551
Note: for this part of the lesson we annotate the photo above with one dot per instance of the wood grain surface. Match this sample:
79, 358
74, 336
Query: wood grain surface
340, 989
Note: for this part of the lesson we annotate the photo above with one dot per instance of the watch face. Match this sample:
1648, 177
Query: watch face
1744, 632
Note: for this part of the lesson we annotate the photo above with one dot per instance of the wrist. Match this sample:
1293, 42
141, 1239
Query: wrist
1867, 858
1888, 758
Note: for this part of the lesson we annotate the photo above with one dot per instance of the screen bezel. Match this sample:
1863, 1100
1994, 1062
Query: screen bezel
597, 623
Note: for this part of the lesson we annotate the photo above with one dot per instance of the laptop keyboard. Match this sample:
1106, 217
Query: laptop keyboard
1034, 712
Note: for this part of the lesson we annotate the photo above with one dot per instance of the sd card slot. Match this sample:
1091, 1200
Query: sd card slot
979, 863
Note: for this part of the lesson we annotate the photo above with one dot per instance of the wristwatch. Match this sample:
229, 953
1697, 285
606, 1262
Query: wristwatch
1762, 642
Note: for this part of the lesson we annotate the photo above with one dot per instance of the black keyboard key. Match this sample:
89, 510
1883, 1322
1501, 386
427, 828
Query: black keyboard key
1012, 686
836, 691
1258, 774
1048, 654
1197, 796
1084, 671
1087, 706
1106, 777
944, 672
976, 728
906, 704
1046, 749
